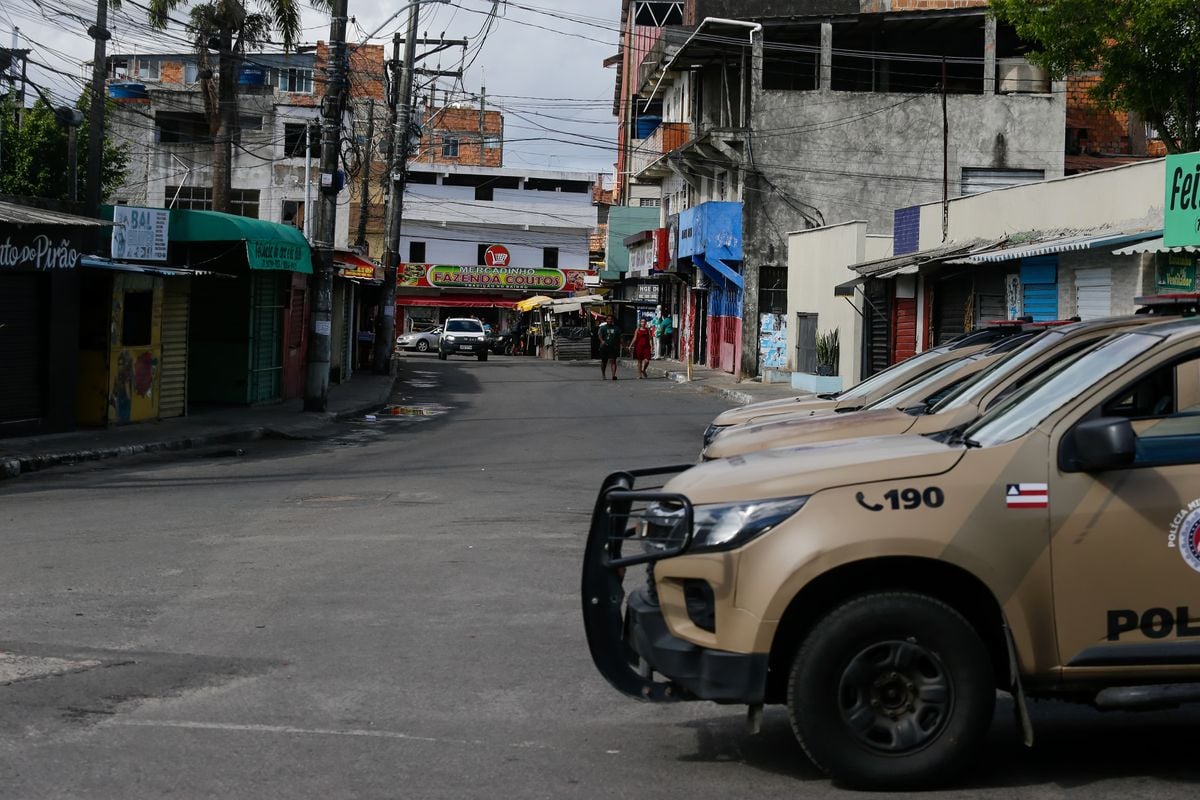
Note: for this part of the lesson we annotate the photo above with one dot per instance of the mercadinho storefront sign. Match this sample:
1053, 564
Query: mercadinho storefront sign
520, 279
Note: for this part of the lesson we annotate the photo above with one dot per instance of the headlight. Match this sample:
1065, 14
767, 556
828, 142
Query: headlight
710, 433
726, 526
448, 338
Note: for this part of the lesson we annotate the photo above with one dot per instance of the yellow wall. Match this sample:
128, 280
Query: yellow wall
133, 366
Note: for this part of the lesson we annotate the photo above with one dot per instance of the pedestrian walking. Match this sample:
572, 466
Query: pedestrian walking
610, 346
665, 332
642, 346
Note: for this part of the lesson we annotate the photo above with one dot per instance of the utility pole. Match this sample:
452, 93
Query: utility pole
385, 332
95, 154
316, 389
364, 205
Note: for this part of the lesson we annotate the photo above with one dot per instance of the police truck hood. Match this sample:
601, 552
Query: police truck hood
804, 470
789, 431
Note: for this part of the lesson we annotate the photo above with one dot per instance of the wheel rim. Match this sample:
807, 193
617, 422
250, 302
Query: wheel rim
422, 345
896, 697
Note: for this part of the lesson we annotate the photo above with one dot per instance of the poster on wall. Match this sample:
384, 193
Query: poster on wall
772, 341
1012, 296
140, 233
1176, 274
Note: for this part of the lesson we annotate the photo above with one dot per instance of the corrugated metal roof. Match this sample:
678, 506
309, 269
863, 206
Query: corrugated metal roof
24, 215
887, 266
1153, 246
1049, 243
97, 262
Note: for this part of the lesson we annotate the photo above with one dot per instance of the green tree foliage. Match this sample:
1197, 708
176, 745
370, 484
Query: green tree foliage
33, 153
1147, 53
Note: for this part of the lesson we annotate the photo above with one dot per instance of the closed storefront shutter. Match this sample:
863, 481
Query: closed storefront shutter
266, 336
877, 311
904, 334
951, 299
989, 296
22, 342
173, 372
1093, 293
1039, 286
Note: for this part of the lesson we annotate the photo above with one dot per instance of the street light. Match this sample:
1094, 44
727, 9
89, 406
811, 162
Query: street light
400, 11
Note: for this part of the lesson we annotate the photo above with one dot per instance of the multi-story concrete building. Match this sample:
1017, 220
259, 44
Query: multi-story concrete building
816, 112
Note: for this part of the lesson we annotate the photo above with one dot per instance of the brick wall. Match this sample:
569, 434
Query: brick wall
464, 125
171, 72
1090, 128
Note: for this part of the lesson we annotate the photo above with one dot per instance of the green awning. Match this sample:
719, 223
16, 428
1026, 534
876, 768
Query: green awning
269, 245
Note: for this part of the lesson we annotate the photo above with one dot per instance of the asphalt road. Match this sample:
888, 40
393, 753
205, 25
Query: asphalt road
392, 611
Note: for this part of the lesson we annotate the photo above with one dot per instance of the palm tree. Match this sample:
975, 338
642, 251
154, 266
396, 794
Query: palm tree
233, 30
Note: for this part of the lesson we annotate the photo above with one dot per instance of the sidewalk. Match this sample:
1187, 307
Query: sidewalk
712, 381
207, 427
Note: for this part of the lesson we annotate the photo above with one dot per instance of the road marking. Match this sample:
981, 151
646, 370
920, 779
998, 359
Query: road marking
291, 729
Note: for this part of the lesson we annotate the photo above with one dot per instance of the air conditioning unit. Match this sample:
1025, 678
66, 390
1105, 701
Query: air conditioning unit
1018, 76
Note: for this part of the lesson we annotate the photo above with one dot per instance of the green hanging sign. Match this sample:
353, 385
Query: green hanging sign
1181, 210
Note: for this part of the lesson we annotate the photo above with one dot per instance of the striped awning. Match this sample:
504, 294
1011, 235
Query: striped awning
1153, 246
1052, 244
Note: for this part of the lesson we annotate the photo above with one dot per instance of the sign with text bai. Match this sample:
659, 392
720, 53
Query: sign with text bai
1181, 212
28, 251
139, 233
274, 254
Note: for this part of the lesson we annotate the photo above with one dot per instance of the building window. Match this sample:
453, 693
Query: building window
191, 72
491, 142
137, 315
147, 69
650, 202
416, 253
243, 202
181, 127
292, 80
449, 147
293, 213
550, 257
293, 141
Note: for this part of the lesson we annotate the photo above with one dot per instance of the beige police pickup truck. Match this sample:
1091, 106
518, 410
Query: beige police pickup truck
870, 390
909, 410
884, 589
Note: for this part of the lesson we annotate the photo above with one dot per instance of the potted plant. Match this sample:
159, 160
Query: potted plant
828, 353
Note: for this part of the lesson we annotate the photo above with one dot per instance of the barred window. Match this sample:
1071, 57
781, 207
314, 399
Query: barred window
243, 202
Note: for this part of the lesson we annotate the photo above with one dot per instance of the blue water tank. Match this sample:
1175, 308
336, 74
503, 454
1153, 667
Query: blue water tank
128, 92
647, 126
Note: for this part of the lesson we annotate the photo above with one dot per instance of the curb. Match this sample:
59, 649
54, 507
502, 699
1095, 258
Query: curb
733, 395
14, 466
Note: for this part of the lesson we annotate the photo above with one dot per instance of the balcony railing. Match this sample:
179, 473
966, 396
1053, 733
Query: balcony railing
666, 137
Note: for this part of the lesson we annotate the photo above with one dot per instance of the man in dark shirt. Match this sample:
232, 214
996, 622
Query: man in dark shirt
610, 346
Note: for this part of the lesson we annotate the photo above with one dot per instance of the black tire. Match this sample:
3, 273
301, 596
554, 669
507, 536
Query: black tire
483, 356
422, 346
892, 691
441, 355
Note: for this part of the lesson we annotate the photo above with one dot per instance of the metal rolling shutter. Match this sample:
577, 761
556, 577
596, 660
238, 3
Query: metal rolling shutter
173, 373
876, 309
1039, 285
1093, 293
22, 339
951, 299
266, 336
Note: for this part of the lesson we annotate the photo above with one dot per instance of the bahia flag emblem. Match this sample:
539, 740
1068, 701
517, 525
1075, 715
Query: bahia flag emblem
1027, 495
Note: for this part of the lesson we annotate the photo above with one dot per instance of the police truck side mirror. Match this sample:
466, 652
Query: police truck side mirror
1098, 445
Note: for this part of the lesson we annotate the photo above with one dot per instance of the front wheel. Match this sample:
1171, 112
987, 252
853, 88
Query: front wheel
892, 690
441, 355
422, 346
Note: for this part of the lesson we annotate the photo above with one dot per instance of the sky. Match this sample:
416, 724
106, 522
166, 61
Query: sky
541, 61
